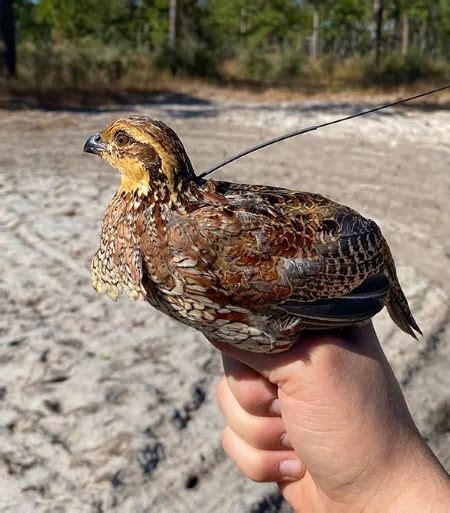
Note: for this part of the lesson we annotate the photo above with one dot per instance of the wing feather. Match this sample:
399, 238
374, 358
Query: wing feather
298, 254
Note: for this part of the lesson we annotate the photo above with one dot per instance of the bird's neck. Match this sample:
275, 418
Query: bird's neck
170, 181
169, 186
174, 198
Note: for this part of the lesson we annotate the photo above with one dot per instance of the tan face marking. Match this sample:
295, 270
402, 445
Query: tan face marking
135, 176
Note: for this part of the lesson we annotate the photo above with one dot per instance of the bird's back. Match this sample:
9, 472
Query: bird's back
300, 257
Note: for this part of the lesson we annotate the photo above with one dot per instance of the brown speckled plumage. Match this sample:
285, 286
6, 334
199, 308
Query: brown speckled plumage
250, 265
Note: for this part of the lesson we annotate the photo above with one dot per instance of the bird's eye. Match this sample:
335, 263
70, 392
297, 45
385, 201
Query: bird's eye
122, 139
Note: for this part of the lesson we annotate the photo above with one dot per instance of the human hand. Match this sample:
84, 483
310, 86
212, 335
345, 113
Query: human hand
327, 421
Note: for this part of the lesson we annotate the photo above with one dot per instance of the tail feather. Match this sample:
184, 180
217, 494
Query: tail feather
398, 309
396, 302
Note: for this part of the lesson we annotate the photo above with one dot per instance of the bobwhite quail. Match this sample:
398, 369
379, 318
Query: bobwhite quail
246, 264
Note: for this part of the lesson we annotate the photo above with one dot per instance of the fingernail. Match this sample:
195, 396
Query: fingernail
290, 468
275, 407
285, 442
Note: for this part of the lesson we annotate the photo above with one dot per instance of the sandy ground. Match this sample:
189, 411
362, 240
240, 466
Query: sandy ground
110, 406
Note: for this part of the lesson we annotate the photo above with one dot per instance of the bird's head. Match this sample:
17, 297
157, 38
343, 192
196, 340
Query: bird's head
148, 154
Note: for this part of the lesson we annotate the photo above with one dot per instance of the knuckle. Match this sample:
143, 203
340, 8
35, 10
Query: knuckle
253, 396
261, 435
247, 395
257, 478
221, 389
267, 436
228, 440
257, 469
249, 460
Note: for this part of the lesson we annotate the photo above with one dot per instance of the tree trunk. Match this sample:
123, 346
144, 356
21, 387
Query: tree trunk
314, 46
405, 34
7, 38
242, 22
378, 8
173, 29
173, 24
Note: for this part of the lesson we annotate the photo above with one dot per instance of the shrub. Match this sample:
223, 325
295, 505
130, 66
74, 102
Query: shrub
397, 69
269, 68
85, 64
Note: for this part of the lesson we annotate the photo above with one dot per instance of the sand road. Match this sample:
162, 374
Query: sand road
109, 406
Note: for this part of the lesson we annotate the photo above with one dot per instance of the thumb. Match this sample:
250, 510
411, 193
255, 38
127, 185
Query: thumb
307, 354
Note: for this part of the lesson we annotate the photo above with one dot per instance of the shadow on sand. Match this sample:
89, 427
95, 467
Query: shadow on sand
94, 102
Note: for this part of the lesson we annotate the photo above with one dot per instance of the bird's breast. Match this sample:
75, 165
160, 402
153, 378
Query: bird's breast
117, 265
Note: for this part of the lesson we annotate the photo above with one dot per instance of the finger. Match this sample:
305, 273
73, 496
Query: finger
268, 364
277, 367
300, 493
252, 391
259, 432
260, 465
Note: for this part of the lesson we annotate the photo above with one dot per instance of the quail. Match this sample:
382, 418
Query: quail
249, 265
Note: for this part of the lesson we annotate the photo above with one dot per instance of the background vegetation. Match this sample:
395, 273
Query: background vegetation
307, 44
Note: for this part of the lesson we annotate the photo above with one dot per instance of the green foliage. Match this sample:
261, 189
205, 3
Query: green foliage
86, 64
397, 70
73, 19
272, 68
80, 42
347, 27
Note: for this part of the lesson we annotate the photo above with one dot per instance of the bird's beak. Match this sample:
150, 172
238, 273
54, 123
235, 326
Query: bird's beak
95, 144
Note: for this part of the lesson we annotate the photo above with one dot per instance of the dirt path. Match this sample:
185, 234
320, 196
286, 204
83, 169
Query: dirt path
109, 406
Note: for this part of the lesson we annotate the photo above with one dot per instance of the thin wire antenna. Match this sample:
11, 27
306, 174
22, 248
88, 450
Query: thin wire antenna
312, 128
